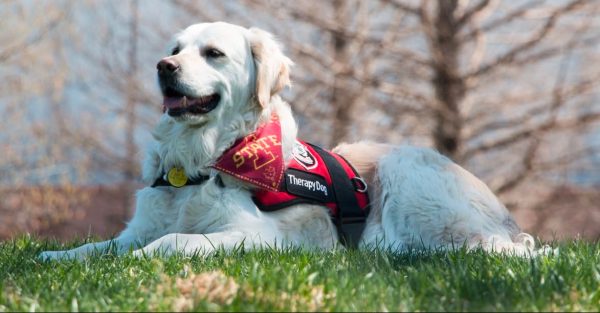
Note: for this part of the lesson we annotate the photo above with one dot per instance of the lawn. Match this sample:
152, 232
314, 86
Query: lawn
270, 280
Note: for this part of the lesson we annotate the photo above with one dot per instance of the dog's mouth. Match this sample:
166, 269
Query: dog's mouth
178, 104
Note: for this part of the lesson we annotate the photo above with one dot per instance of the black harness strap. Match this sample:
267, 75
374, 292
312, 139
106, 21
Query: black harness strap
161, 181
350, 219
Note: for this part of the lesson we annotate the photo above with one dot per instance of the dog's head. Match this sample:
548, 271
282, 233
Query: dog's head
217, 69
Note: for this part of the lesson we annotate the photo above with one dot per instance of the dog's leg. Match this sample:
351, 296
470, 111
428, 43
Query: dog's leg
152, 216
191, 244
119, 245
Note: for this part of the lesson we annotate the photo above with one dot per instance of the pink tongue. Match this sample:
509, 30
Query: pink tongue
173, 102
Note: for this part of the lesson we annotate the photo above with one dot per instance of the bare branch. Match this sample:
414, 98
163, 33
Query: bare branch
521, 120
50, 26
514, 52
519, 12
194, 9
398, 4
524, 172
527, 133
466, 17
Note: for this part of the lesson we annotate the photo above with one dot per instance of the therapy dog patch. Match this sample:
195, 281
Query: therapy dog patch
257, 158
308, 185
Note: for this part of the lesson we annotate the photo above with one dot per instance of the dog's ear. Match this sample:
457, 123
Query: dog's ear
272, 66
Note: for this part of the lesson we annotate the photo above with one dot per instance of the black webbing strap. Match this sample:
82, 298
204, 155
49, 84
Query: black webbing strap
196, 181
350, 219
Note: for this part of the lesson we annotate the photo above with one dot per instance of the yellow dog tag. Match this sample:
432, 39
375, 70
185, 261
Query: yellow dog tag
176, 177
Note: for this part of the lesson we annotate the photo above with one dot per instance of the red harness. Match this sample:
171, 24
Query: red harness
313, 176
307, 178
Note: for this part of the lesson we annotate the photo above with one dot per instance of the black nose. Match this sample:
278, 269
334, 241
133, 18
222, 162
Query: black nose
167, 66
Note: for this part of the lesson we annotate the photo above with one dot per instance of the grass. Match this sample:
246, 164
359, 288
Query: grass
270, 280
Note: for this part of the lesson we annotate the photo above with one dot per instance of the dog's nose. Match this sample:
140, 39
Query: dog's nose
167, 66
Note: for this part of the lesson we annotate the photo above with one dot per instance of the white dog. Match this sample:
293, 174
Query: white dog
220, 89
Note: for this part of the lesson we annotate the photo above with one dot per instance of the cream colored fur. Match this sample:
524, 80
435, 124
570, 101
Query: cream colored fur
420, 199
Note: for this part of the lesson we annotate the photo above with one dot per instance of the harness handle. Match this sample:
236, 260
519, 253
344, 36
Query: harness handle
359, 184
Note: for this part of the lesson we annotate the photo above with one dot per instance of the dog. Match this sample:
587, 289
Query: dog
220, 87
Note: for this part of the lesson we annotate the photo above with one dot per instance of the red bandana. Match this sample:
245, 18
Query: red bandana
257, 158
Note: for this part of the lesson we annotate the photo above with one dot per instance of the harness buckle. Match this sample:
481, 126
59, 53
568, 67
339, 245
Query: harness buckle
359, 184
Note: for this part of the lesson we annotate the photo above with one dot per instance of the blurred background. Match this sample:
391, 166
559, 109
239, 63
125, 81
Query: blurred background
508, 89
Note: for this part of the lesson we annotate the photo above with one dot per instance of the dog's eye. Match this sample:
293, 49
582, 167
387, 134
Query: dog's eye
213, 53
175, 50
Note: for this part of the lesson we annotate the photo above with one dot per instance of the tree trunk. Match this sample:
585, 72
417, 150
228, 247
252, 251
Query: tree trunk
131, 162
448, 84
341, 99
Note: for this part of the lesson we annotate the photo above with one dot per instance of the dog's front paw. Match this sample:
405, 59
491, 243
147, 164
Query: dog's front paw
153, 250
52, 255
150, 253
162, 247
59, 256
140, 254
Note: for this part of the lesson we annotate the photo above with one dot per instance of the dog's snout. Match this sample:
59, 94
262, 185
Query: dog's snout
167, 66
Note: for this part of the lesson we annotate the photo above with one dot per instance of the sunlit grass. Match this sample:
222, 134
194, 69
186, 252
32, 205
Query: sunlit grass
270, 280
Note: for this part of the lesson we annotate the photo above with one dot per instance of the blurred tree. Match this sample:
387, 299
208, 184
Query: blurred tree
506, 88
71, 103
131, 171
125, 100
36, 188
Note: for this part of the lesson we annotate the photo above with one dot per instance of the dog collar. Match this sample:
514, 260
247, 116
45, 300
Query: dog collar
256, 159
176, 177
